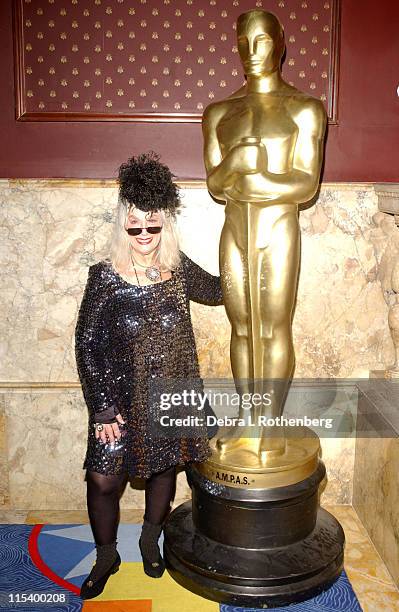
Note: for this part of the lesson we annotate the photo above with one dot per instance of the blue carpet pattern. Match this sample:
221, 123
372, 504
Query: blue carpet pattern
339, 597
18, 574
68, 550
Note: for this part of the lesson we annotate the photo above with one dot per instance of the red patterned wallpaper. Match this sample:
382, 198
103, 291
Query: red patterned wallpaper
156, 59
361, 146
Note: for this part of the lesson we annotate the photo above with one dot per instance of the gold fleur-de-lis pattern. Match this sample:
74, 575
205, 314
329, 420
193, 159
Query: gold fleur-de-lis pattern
147, 58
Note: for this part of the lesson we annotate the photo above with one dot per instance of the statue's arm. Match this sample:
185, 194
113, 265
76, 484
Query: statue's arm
218, 171
301, 182
222, 172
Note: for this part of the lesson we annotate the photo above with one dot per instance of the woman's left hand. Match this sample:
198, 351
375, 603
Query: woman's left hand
110, 431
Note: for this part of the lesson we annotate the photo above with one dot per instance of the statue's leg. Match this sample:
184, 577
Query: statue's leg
234, 272
280, 263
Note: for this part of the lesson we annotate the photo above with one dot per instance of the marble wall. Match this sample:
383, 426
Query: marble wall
53, 230
376, 496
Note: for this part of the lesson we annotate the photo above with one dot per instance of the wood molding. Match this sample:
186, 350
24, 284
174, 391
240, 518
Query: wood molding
334, 63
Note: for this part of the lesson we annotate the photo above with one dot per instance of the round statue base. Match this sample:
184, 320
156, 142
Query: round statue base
254, 548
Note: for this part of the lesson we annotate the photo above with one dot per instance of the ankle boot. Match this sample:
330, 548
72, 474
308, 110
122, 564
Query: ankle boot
153, 563
107, 563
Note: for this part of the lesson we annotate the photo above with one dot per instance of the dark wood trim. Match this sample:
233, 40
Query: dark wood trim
153, 117
19, 66
334, 62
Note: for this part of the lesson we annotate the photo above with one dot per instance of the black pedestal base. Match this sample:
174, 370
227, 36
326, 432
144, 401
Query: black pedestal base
253, 577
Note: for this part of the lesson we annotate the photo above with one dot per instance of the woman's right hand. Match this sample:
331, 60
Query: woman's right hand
111, 431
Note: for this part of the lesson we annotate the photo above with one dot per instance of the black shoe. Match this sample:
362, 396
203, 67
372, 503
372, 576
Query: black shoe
90, 589
155, 569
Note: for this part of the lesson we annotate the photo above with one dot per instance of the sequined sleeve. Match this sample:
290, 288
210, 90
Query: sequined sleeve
203, 287
91, 341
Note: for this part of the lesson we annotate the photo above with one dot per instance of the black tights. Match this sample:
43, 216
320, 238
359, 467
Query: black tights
103, 494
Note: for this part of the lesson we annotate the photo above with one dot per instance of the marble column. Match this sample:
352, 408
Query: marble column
388, 203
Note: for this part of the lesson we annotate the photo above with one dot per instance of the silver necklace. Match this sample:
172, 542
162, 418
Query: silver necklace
153, 273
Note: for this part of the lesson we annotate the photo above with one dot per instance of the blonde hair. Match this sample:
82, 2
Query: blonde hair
119, 246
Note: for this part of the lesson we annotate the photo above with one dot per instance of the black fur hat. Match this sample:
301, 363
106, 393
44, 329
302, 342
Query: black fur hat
147, 184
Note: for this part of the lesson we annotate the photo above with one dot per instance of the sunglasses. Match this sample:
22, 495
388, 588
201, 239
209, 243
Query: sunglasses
136, 231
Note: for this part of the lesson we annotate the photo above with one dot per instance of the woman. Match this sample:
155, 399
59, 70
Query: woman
133, 329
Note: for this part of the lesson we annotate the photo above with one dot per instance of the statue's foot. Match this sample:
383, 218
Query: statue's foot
251, 440
242, 438
271, 447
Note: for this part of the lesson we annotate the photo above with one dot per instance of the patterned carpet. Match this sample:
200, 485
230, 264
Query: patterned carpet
49, 563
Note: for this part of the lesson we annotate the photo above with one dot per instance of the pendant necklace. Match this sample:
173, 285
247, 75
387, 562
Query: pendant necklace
153, 273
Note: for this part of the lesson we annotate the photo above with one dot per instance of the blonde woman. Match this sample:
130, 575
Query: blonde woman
134, 327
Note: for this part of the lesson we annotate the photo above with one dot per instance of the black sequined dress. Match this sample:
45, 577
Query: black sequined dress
125, 337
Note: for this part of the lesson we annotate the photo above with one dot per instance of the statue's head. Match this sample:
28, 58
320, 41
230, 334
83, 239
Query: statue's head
261, 44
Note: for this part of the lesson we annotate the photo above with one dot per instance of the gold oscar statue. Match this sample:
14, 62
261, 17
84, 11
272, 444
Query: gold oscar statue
263, 151
254, 533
